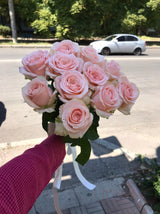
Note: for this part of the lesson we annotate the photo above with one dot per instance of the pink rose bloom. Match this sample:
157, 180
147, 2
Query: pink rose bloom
90, 54
113, 70
34, 64
70, 85
129, 93
66, 46
76, 118
38, 95
106, 100
95, 75
59, 63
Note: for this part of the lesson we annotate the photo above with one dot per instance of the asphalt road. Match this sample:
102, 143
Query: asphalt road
139, 132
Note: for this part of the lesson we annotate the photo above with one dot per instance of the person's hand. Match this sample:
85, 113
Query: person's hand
59, 146
51, 128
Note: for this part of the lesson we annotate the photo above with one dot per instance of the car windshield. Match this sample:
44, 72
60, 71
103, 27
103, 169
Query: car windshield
110, 38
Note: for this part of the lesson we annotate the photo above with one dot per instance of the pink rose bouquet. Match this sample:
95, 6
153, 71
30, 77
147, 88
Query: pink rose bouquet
73, 87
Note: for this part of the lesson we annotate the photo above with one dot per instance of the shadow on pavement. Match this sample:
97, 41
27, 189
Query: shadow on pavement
158, 155
3, 112
107, 161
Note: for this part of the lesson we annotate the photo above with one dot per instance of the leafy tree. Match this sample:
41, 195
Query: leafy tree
4, 9
122, 16
153, 14
134, 19
76, 19
88, 18
154, 4
44, 19
25, 9
111, 13
134, 23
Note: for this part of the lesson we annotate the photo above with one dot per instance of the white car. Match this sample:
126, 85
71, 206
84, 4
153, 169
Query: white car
120, 43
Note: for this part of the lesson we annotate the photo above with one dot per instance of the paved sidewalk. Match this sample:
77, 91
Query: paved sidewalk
109, 197
107, 168
119, 206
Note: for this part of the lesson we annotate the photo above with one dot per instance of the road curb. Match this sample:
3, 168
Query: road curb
11, 145
107, 144
48, 46
139, 199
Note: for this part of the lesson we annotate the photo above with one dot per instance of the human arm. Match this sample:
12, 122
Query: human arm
23, 178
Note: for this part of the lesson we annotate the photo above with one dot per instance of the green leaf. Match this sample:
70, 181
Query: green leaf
85, 146
84, 155
47, 117
92, 133
75, 141
50, 117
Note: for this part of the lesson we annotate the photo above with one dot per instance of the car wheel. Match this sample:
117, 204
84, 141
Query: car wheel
137, 52
105, 51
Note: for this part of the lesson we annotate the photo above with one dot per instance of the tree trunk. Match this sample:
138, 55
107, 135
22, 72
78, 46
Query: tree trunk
12, 20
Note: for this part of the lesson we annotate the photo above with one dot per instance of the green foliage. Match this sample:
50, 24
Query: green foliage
83, 157
133, 23
157, 186
5, 30
77, 7
153, 4
25, 10
150, 182
153, 14
44, 21
110, 13
50, 117
76, 19
156, 209
4, 8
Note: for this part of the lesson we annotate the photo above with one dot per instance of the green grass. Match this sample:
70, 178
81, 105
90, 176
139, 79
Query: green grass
148, 38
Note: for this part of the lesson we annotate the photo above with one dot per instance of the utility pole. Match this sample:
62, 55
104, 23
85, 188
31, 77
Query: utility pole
12, 20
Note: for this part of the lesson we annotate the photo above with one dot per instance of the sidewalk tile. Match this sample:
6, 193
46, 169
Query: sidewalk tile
103, 190
119, 206
78, 210
95, 208
67, 211
45, 205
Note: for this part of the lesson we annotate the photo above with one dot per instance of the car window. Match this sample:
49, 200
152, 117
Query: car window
121, 39
110, 38
131, 38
